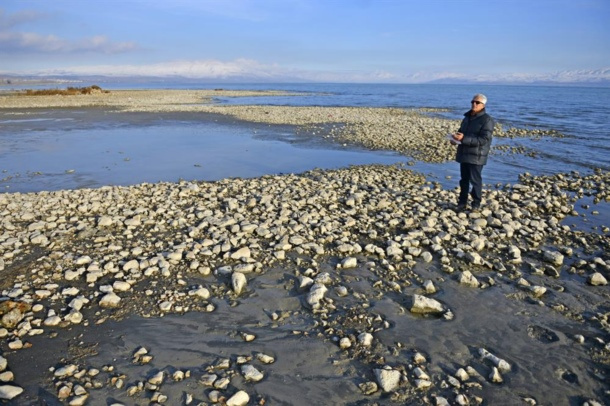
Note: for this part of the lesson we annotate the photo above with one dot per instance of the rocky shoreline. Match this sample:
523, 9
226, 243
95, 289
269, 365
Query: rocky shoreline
368, 260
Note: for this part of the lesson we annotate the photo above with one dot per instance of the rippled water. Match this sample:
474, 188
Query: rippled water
49, 150
581, 113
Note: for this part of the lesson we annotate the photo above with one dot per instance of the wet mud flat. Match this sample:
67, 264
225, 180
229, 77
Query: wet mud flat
355, 286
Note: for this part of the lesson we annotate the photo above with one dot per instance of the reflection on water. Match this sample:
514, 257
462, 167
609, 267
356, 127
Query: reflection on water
591, 217
72, 155
62, 149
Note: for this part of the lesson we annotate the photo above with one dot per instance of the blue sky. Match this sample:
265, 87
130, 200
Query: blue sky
323, 40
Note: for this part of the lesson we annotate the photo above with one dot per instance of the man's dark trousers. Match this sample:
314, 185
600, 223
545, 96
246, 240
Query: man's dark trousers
471, 175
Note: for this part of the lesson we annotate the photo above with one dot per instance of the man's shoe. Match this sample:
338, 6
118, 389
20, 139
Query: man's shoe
460, 207
476, 207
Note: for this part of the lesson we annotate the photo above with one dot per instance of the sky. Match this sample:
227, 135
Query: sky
398, 41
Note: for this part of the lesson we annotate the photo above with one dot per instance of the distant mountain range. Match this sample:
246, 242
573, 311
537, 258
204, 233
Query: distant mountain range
597, 77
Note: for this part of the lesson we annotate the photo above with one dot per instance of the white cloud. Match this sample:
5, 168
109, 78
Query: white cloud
187, 69
215, 69
21, 17
13, 41
248, 69
23, 42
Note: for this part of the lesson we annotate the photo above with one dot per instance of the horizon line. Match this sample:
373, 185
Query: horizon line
72, 78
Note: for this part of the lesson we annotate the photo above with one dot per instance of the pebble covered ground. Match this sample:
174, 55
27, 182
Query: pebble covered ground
84, 257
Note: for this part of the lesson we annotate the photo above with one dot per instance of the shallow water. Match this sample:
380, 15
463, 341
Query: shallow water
35, 151
67, 149
581, 113
89, 148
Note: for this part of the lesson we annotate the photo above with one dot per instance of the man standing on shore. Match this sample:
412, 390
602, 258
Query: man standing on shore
474, 141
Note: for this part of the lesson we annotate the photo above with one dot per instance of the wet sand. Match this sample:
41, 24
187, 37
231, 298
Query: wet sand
320, 272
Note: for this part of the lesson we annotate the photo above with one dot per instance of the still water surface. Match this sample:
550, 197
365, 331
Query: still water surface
59, 149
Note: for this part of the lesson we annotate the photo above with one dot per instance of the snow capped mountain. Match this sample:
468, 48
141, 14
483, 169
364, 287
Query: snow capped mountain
592, 76
244, 70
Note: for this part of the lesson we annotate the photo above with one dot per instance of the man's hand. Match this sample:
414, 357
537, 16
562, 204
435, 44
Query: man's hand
458, 136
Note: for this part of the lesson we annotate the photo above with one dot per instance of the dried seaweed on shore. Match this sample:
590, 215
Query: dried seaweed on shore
70, 91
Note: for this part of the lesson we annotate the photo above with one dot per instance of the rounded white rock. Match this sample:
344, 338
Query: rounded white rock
251, 374
388, 379
202, 293
110, 300
345, 343
241, 398
67, 370
365, 339
348, 263
264, 358
156, 379
9, 392
422, 304
597, 279
316, 294
429, 286
239, 282
165, 306
52, 321
121, 286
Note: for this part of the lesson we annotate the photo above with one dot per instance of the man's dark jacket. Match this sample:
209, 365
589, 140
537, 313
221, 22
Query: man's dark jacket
478, 131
